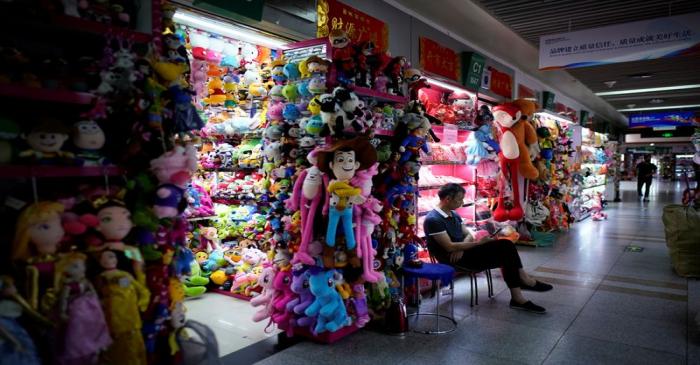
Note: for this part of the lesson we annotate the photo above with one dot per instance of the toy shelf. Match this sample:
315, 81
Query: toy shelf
89, 26
428, 163
384, 132
49, 95
379, 96
233, 169
20, 171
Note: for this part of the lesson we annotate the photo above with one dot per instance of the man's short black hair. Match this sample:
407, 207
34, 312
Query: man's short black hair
450, 190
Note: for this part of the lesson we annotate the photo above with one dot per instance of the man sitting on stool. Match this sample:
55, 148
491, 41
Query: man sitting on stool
452, 243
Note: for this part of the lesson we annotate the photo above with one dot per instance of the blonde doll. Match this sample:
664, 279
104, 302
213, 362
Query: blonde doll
37, 237
83, 329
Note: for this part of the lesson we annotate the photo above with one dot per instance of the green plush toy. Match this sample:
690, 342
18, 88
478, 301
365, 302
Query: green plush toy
195, 284
8, 132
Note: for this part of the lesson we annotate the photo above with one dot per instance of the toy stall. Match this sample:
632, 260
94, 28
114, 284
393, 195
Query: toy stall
595, 179
98, 120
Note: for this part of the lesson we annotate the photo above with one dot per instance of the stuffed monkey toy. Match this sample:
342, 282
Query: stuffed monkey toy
506, 116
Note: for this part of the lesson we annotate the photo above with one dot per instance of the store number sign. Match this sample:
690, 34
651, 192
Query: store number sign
360, 27
472, 69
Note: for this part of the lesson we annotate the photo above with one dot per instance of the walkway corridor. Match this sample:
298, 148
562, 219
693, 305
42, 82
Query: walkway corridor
609, 305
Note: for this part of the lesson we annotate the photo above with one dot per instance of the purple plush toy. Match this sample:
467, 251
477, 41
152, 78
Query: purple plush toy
300, 286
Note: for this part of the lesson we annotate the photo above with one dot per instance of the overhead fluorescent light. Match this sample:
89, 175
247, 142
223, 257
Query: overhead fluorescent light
660, 108
649, 90
554, 116
447, 86
227, 29
685, 156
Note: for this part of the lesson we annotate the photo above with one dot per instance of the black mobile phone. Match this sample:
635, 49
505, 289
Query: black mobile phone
496, 232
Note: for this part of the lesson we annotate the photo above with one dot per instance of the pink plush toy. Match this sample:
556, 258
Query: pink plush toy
283, 295
366, 218
173, 170
209, 239
306, 197
264, 300
597, 208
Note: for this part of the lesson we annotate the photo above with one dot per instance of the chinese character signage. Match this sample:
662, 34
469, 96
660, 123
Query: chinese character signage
642, 40
650, 120
360, 27
438, 59
472, 69
501, 83
525, 92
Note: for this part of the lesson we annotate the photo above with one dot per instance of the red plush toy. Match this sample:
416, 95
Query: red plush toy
505, 116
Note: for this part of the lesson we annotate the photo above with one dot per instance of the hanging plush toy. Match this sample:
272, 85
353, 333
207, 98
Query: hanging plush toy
306, 198
83, 327
284, 295
264, 300
507, 115
300, 287
173, 170
17, 346
328, 306
38, 234
123, 300
526, 137
343, 160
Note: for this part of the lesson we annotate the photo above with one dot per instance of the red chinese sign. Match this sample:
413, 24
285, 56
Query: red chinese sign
438, 59
525, 92
360, 27
501, 83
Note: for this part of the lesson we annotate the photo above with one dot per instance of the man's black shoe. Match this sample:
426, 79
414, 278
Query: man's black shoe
528, 306
539, 286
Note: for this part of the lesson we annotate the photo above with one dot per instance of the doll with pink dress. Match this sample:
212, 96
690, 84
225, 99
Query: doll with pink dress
83, 331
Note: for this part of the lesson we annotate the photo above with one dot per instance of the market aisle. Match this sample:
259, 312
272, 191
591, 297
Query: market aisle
609, 305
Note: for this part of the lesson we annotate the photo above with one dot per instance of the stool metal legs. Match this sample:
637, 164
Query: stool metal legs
474, 284
436, 314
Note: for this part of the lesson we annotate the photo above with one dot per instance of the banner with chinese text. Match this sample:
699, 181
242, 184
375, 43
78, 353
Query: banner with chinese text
438, 59
642, 40
360, 27
501, 83
662, 119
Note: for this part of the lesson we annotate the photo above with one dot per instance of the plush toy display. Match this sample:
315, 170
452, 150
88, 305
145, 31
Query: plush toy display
19, 347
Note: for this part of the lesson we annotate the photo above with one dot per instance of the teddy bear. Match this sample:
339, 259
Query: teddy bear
526, 137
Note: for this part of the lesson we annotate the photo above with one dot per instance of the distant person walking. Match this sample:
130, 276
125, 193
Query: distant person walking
645, 171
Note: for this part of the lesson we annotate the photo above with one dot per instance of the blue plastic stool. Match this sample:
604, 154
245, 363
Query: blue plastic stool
441, 275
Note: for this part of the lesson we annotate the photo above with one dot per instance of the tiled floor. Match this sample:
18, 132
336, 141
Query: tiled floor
608, 306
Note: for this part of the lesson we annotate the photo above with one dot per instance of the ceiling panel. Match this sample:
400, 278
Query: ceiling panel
533, 19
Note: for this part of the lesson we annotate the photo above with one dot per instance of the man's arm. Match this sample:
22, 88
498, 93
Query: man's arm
443, 239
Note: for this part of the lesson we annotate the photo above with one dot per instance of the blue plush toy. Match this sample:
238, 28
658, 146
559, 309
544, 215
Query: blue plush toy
477, 144
291, 70
291, 112
328, 305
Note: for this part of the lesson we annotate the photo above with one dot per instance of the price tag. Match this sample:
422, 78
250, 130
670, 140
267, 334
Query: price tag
449, 134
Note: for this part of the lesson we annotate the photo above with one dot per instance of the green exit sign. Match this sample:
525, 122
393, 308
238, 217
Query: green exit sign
667, 134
